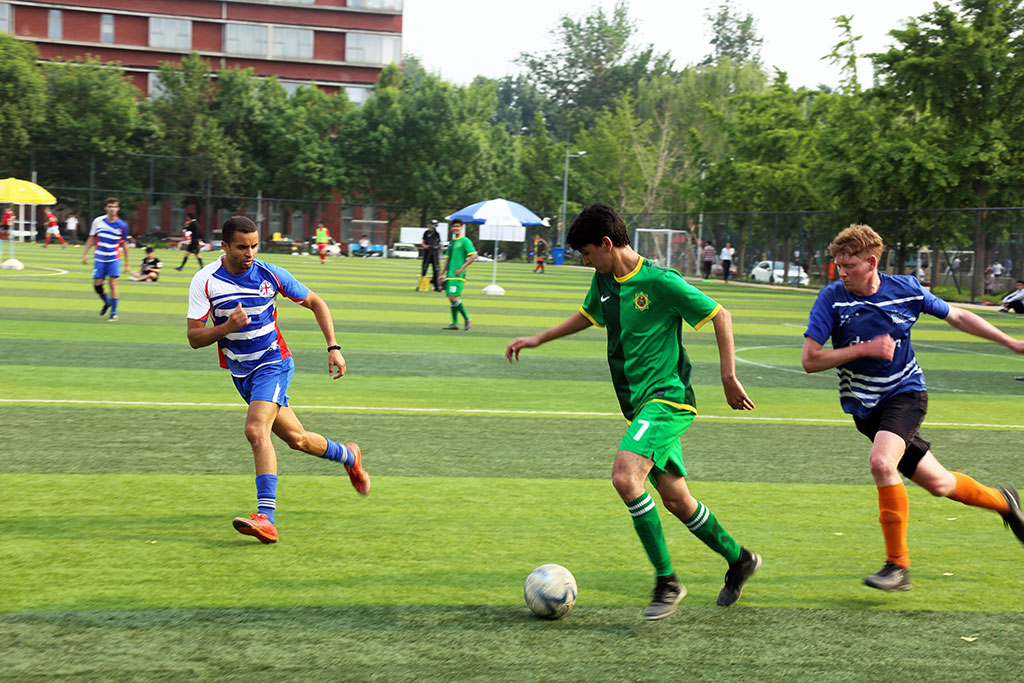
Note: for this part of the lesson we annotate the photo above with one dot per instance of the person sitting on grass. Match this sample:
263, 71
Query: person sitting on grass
150, 268
1014, 301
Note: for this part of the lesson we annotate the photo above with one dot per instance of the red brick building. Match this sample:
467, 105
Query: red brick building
335, 44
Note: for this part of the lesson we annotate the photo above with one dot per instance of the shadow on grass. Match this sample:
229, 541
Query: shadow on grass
507, 643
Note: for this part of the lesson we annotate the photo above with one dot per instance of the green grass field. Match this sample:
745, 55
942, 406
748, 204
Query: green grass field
124, 461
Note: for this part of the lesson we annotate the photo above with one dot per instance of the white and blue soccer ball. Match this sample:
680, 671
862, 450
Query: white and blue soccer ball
550, 591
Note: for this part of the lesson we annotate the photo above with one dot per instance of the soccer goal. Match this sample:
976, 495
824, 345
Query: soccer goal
669, 248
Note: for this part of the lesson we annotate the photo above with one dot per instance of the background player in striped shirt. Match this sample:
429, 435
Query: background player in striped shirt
868, 315
239, 293
643, 305
107, 234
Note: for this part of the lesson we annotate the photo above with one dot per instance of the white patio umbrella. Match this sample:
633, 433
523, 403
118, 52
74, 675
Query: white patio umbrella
502, 221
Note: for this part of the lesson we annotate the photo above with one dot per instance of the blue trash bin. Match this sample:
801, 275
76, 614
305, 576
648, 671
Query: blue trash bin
558, 255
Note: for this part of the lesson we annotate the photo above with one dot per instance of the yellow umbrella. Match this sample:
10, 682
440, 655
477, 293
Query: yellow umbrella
14, 191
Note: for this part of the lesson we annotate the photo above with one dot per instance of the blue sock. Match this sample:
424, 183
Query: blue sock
266, 494
339, 453
113, 307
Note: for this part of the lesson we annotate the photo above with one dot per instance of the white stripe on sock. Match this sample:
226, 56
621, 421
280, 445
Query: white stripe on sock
700, 517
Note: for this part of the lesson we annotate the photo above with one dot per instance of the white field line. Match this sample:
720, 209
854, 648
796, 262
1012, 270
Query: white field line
477, 411
56, 271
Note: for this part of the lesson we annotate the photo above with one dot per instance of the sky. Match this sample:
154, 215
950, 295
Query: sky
461, 39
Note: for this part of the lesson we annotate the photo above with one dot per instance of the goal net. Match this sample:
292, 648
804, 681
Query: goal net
669, 248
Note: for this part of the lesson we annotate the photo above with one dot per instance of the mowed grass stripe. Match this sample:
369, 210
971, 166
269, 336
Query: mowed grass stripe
86, 542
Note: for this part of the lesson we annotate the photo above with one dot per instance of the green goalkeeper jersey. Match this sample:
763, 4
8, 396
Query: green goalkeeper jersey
457, 253
643, 313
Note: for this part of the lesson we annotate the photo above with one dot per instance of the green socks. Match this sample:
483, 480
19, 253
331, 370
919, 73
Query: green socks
458, 308
704, 526
648, 528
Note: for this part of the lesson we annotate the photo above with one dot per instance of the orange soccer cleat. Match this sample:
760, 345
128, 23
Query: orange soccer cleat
360, 479
257, 525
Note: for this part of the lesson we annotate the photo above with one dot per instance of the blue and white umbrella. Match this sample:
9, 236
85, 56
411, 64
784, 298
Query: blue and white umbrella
499, 219
492, 209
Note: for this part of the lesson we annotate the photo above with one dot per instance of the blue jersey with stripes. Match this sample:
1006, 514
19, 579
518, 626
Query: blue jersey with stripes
215, 291
108, 236
849, 319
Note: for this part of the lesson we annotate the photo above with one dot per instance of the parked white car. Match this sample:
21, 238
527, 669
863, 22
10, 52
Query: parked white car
404, 250
774, 272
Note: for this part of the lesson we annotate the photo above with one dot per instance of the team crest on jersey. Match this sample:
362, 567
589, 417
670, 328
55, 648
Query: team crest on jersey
641, 301
266, 289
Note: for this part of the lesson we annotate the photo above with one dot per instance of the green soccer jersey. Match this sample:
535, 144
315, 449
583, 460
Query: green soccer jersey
458, 251
642, 312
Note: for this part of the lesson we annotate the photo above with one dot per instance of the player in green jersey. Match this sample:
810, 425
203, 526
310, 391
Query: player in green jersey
459, 255
642, 306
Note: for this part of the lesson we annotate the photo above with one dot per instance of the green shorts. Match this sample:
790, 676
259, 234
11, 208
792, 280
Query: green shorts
654, 433
453, 287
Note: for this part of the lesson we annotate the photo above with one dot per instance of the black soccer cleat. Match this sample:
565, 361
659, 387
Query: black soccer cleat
737, 575
667, 594
103, 311
891, 577
1013, 519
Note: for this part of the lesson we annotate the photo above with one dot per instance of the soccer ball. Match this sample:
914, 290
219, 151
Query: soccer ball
550, 591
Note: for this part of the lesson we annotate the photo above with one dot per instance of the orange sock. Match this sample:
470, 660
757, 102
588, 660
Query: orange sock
970, 492
893, 512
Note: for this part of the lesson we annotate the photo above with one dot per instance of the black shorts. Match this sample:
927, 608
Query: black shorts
193, 250
902, 415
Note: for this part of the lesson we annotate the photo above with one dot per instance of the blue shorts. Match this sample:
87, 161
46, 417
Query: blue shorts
267, 383
101, 269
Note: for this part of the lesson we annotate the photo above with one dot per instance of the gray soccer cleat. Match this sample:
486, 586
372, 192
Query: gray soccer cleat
667, 594
737, 575
891, 577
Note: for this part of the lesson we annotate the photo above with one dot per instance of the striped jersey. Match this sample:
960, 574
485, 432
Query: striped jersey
849, 319
216, 291
108, 236
643, 313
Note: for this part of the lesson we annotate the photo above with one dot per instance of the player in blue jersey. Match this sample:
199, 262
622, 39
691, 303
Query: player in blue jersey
239, 293
868, 316
108, 233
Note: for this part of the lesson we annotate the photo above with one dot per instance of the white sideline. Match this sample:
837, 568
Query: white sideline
479, 411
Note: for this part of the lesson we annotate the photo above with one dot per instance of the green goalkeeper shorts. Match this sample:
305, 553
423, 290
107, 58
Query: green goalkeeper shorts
655, 433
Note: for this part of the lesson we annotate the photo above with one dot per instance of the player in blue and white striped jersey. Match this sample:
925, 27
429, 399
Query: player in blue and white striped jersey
239, 293
868, 316
107, 234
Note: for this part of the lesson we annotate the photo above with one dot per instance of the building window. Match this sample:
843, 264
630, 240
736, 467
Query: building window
357, 95
106, 28
245, 39
54, 25
154, 88
294, 43
377, 4
6, 25
175, 34
367, 48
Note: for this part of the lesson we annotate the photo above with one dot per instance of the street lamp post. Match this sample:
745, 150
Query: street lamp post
565, 192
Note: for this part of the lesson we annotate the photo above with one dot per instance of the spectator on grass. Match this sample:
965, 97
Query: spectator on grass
149, 270
726, 256
707, 258
883, 388
1014, 301
364, 246
71, 227
431, 244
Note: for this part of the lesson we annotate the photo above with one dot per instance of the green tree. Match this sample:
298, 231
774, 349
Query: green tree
423, 142
186, 127
22, 98
966, 65
590, 67
92, 120
540, 169
733, 36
